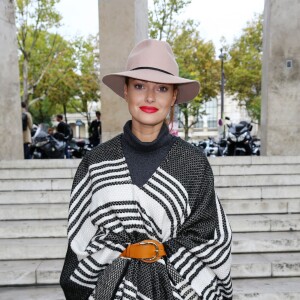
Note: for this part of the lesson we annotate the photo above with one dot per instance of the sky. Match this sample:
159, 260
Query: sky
217, 18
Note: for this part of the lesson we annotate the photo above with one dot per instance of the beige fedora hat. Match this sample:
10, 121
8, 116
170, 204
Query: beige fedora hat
153, 60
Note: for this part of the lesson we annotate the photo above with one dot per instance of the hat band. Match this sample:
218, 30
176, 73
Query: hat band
150, 68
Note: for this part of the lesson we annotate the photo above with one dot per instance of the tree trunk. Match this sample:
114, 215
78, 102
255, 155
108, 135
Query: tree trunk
65, 112
186, 126
25, 81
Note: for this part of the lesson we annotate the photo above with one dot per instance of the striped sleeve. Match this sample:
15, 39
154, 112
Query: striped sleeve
201, 251
88, 252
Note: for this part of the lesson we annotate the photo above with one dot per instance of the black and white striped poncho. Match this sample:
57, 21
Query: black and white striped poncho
176, 206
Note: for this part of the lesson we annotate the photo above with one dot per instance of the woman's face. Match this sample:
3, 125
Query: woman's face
148, 102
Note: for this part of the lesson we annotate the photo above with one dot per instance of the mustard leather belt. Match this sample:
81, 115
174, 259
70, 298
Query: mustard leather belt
148, 251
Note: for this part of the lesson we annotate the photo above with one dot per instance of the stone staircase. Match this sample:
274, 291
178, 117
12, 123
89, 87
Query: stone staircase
261, 196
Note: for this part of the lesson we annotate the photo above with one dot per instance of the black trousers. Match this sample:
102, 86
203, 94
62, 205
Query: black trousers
27, 154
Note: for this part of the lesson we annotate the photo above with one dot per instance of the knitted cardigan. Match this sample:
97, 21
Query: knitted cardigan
176, 206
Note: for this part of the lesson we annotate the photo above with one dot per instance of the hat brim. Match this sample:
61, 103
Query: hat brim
187, 89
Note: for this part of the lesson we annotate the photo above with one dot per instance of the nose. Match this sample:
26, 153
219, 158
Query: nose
150, 96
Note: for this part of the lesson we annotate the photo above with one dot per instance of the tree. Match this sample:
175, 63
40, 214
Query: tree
196, 60
55, 74
59, 71
88, 67
243, 68
162, 18
72, 81
33, 18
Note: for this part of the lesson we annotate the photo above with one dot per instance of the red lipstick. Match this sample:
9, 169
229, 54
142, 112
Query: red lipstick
149, 109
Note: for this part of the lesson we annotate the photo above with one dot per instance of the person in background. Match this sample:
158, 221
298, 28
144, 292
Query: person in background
27, 127
144, 219
50, 130
96, 130
63, 130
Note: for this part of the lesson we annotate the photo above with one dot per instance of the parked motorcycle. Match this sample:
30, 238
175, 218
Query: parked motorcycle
46, 146
211, 147
78, 148
256, 147
239, 139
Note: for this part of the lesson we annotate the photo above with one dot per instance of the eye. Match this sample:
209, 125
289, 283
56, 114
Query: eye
138, 86
163, 88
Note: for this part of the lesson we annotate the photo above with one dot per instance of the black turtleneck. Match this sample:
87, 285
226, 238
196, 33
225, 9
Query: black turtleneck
143, 158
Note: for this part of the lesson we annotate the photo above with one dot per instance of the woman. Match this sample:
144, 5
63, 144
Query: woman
144, 220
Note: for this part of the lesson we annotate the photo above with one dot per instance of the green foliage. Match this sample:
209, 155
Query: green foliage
40, 13
88, 66
72, 81
163, 17
244, 66
196, 60
195, 57
56, 74
33, 19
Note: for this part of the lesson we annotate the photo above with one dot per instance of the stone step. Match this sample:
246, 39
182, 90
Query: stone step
33, 248
231, 206
34, 211
244, 170
50, 248
36, 184
258, 242
35, 228
261, 192
244, 289
264, 206
227, 170
261, 183
265, 265
267, 289
37, 173
41, 164
260, 223
55, 206
58, 191
254, 160
47, 292
58, 228
30, 272
214, 161
284, 264
257, 180
34, 197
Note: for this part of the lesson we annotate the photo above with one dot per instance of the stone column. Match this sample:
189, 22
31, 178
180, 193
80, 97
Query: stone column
122, 25
280, 121
11, 145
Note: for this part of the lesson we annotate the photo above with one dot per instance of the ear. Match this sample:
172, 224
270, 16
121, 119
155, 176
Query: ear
125, 91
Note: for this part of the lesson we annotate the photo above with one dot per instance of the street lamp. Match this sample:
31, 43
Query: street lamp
222, 56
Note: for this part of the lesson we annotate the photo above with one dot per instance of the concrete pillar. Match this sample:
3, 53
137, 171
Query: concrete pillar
122, 25
11, 145
280, 121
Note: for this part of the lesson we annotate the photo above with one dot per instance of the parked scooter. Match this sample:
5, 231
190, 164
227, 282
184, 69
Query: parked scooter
239, 139
78, 148
256, 147
211, 147
45, 146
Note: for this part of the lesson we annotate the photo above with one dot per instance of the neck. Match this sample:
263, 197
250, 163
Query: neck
146, 133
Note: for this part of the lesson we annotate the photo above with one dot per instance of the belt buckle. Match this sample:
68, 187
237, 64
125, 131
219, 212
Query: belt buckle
156, 251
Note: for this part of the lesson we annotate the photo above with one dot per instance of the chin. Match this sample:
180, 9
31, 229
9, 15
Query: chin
149, 122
